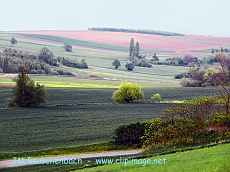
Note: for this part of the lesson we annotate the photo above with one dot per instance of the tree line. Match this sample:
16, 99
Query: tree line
143, 31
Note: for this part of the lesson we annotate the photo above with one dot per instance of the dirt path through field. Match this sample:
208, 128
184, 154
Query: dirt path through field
53, 159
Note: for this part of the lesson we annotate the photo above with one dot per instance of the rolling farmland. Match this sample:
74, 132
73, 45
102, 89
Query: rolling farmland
167, 45
98, 58
100, 48
75, 103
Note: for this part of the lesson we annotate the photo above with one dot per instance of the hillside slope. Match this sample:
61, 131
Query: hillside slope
169, 45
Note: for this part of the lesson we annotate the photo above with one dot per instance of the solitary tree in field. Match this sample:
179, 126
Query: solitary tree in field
221, 50
13, 41
26, 93
116, 63
137, 49
129, 65
213, 51
67, 47
128, 92
131, 47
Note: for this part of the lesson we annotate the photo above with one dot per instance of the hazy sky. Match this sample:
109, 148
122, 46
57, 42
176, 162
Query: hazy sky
203, 17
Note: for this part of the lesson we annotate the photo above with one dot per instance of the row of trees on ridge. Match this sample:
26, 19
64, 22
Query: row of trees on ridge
154, 32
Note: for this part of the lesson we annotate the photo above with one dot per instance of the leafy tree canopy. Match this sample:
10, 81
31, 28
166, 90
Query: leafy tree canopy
13, 41
128, 92
129, 65
116, 63
67, 47
26, 93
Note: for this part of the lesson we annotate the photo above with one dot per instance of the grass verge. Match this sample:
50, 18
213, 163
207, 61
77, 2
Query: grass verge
213, 157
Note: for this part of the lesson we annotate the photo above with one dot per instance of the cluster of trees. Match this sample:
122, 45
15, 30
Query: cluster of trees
222, 50
135, 59
209, 77
11, 60
69, 63
142, 63
134, 50
131, 63
153, 32
187, 60
192, 122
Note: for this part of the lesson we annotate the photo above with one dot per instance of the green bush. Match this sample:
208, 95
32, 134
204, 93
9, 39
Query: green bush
128, 92
156, 98
129, 135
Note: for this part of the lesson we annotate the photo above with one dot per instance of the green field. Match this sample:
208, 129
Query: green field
78, 116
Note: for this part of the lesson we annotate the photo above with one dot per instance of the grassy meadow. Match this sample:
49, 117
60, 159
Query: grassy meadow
215, 159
